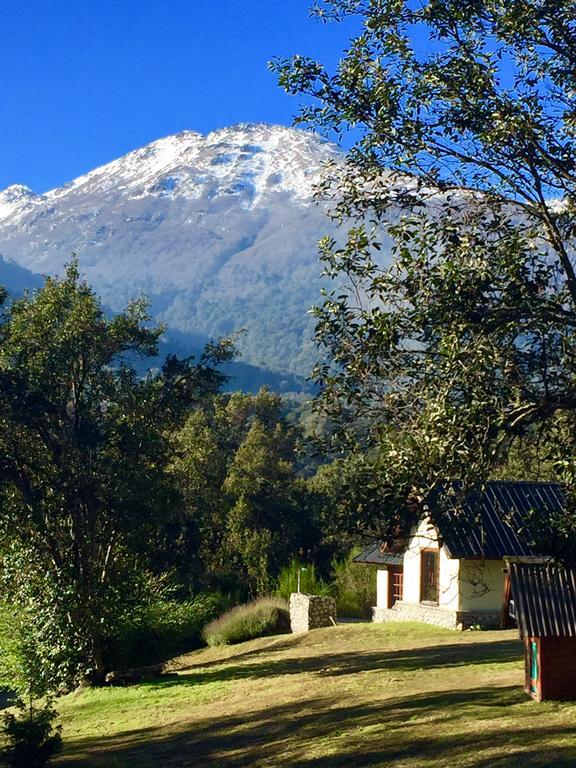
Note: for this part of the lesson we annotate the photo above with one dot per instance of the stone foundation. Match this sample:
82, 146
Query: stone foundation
311, 612
440, 617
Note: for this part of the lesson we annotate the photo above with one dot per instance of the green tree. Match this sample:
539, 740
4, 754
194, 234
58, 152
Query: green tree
84, 449
463, 161
246, 502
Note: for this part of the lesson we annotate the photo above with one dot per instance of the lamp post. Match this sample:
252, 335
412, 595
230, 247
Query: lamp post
299, 572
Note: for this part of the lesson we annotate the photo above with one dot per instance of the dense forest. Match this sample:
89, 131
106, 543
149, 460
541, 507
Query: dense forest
136, 508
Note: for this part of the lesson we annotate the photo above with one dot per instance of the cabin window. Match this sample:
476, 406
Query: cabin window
430, 576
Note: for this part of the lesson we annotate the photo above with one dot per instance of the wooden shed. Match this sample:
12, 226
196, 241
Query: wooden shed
544, 604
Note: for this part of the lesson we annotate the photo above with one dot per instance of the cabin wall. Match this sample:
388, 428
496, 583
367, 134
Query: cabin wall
425, 536
449, 581
481, 585
558, 668
469, 592
382, 587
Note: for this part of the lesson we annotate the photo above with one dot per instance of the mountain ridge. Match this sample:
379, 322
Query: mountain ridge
220, 231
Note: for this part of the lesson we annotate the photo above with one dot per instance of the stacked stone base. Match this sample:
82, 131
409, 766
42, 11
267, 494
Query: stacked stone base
440, 617
311, 612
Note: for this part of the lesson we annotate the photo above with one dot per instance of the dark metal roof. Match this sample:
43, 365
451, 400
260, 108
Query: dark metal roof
493, 523
544, 599
374, 553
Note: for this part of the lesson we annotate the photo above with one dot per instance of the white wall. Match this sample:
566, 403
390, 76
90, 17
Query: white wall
382, 588
481, 585
465, 585
425, 536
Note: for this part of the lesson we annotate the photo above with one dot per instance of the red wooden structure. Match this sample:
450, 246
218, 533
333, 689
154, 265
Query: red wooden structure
544, 600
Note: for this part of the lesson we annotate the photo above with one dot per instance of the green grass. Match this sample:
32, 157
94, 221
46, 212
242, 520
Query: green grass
402, 695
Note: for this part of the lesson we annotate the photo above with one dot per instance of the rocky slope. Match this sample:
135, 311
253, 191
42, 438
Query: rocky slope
219, 231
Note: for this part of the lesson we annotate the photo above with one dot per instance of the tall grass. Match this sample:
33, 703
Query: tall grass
265, 616
354, 586
310, 582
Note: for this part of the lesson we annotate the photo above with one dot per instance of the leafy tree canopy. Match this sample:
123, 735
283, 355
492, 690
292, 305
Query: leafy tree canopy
84, 447
246, 503
462, 118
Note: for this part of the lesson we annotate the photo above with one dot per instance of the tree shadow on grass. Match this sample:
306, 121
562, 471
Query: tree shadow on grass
341, 664
433, 729
276, 644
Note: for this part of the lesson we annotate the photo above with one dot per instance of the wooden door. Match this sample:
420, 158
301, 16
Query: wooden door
395, 584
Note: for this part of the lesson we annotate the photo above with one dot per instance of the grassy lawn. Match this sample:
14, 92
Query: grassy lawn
355, 695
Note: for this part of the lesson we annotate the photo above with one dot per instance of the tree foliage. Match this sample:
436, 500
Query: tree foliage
32, 739
246, 504
84, 447
463, 162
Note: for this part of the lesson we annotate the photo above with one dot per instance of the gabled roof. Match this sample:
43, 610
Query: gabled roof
544, 599
492, 524
375, 553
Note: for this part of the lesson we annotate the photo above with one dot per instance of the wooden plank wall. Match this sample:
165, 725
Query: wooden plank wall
558, 668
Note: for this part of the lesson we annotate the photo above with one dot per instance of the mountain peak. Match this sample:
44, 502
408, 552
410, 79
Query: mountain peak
251, 160
17, 198
219, 230
17, 192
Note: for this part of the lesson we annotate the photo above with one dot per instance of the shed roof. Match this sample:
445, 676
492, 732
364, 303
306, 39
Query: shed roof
375, 553
544, 599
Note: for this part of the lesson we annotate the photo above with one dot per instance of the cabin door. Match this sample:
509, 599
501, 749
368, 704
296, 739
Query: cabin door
395, 584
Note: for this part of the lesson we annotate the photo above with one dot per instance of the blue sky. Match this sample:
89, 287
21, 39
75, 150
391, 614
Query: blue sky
85, 82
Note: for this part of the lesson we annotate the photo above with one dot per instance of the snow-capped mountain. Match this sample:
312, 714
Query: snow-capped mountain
220, 231
17, 199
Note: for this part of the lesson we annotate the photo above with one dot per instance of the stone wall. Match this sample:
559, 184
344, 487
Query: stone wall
440, 617
311, 611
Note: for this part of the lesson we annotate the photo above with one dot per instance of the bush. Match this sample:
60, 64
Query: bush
354, 586
10, 649
31, 738
266, 616
310, 582
161, 629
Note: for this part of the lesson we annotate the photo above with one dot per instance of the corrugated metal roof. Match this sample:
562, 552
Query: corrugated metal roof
495, 522
544, 599
375, 553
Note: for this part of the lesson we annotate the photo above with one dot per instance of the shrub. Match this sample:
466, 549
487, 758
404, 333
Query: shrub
266, 616
161, 629
31, 737
310, 582
354, 586
10, 649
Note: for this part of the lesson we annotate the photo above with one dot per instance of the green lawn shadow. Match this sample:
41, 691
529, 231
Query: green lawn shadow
259, 737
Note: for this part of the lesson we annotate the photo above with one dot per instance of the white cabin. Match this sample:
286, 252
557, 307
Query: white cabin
451, 570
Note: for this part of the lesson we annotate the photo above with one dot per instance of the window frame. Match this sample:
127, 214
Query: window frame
423, 554
393, 596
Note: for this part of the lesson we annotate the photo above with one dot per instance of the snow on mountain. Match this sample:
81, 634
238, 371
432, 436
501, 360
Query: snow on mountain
246, 160
220, 231
17, 199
